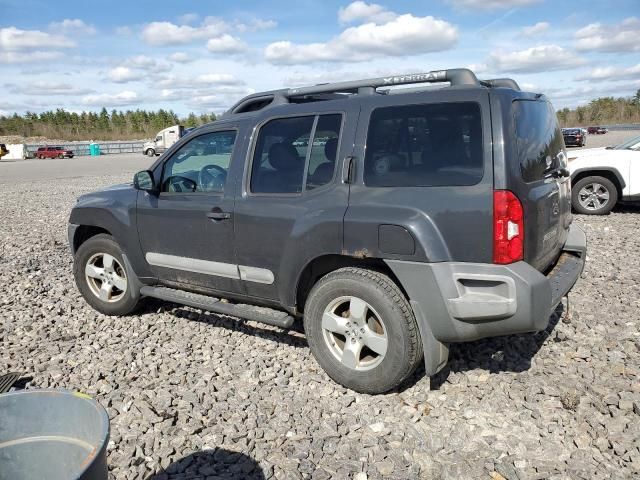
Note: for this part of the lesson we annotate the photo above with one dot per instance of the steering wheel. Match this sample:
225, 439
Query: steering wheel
210, 181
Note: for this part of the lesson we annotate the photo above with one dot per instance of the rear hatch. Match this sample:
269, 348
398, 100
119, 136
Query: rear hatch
540, 183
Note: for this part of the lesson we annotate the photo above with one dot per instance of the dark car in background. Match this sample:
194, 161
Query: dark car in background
574, 137
53, 152
597, 130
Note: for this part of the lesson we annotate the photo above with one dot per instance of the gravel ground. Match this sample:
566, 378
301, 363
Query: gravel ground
197, 395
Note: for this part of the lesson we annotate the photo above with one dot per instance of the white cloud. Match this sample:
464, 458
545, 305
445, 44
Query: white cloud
536, 29
123, 98
167, 33
188, 18
543, 58
611, 73
490, 4
73, 26
169, 95
362, 11
401, 36
255, 25
13, 39
624, 37
180, 57
226, 44
146, 63
48, 88
27, 57
125, 74
206, 79
478, 68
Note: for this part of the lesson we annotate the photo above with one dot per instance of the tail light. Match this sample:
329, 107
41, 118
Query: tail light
508, 228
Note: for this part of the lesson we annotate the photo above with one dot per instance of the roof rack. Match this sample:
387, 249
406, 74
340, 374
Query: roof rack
501, 82
455, 76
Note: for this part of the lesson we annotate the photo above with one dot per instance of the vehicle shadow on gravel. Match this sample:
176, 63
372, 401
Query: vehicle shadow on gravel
511, 353
217, 463
293, 337
627, 208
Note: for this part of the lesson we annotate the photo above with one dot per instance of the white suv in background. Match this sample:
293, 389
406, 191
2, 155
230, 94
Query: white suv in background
600, 177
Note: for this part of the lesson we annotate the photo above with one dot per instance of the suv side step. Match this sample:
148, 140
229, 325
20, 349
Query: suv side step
212, 304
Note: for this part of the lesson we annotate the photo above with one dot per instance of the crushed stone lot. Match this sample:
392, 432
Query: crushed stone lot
197, 395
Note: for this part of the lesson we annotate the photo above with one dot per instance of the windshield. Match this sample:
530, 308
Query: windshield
633, 144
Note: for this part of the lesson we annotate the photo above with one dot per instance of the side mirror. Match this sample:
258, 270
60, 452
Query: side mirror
144, 181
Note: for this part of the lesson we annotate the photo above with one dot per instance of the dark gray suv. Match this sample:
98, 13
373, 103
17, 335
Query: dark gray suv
394, 221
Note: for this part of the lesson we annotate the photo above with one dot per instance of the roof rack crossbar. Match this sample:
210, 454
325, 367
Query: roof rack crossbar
455, 76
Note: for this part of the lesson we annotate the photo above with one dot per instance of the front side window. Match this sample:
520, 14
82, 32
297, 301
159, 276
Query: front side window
424, 145
200, 165
285, 145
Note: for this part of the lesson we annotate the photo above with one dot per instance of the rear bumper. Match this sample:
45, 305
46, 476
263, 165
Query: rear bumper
461, 302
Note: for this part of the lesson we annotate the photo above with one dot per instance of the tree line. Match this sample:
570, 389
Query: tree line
140, 124
602, 111
104, 125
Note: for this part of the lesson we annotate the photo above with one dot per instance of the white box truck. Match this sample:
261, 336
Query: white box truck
164, 139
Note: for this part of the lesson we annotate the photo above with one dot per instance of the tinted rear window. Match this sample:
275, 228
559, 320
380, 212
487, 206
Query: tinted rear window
539, 138
424, 145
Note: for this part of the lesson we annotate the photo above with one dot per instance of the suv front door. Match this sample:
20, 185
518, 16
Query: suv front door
186, 230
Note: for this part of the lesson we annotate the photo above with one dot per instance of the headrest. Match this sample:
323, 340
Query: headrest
284, 156
331, 149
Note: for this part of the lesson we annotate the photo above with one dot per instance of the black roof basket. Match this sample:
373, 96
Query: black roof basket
455, 76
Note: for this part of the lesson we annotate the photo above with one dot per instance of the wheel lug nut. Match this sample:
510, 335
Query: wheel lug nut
362, 330
353, 339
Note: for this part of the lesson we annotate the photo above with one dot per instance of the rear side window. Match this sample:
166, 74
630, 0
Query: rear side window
295, 154
424, 145
538, 137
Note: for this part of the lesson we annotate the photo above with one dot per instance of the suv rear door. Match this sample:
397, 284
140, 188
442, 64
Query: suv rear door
535, 159
293, 200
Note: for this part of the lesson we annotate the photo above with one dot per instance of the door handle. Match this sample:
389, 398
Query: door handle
219, 215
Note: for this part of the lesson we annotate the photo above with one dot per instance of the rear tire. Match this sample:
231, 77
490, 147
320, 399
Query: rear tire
100, 274
150, 152
593, 195
361, 330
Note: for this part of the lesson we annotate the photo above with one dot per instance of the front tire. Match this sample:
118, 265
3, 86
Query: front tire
593, 195
151, 152
361, 330
100, 274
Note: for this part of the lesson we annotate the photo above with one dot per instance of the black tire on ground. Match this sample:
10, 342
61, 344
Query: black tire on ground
41, 157
604, 188
104, 244
403, 347
150, 152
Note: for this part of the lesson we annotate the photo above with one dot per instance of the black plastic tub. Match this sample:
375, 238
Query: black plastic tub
53, 435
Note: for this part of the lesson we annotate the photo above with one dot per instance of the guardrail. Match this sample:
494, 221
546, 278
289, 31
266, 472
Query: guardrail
82, 148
